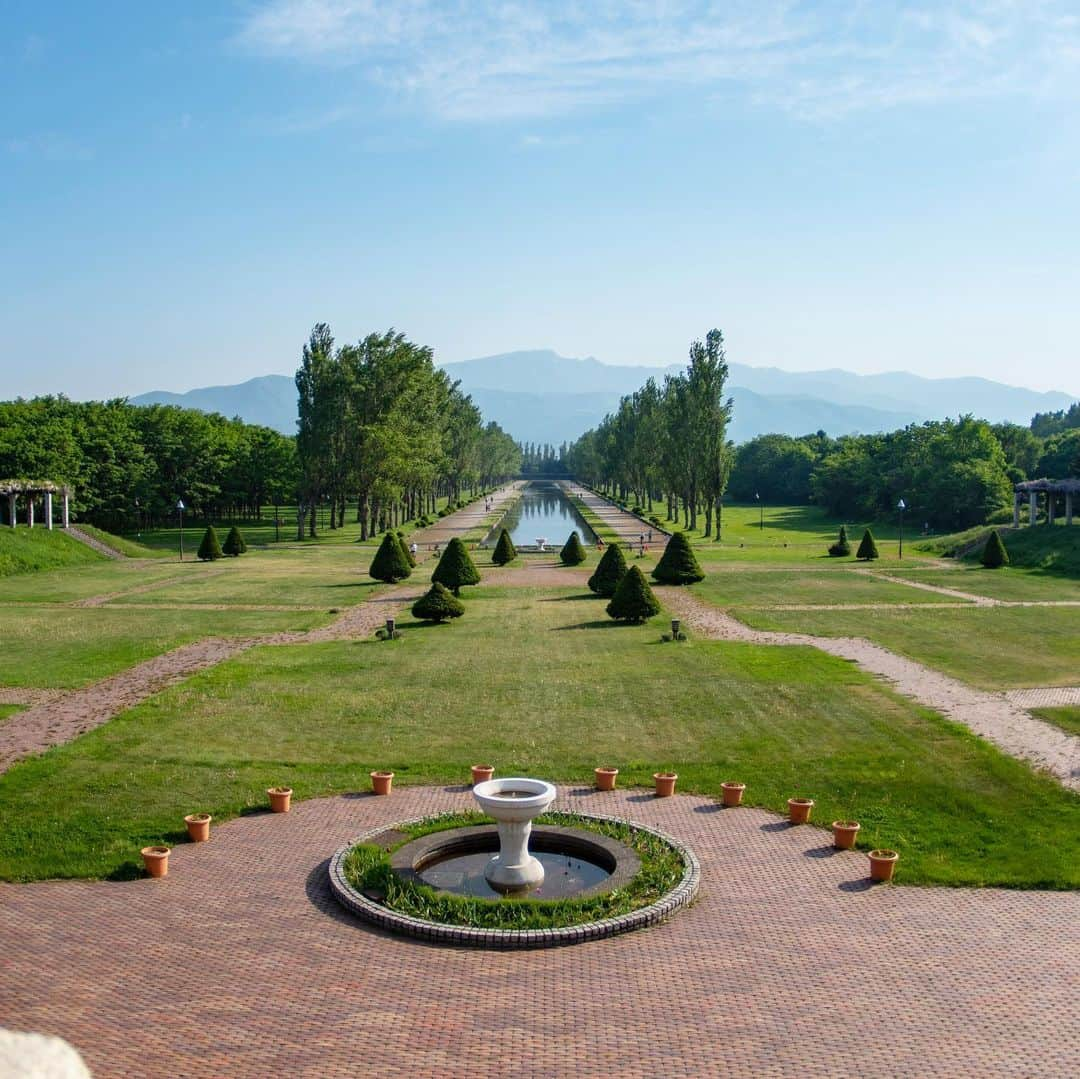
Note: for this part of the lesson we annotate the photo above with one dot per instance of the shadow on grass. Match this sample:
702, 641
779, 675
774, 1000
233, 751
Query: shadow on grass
126, 871
607, 624
566, 599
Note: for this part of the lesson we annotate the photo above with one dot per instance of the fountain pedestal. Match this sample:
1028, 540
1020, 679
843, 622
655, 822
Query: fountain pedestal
514, 803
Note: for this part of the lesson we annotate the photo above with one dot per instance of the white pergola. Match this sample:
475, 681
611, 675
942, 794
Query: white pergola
31, 491
1051, 488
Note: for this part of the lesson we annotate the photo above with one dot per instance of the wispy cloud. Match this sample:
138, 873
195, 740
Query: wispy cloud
495, 59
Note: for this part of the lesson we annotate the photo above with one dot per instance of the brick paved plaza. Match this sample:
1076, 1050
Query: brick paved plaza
790, 963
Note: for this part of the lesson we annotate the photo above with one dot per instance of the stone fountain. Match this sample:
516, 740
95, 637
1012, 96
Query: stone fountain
513, 804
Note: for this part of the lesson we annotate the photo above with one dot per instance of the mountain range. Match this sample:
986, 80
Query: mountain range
540, 396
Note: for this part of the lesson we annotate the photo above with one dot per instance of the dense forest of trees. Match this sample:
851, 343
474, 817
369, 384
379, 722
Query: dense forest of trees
382, 425
667, 442
128, 465
543, 459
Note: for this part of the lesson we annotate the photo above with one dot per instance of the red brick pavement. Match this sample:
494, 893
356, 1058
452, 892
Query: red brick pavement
239, 964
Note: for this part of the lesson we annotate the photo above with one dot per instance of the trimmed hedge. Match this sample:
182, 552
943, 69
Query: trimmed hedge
677, 564
841, 548
867, 547
456, 568
505, 551
609, 572
437, 605
994, 555
633, 600
235, 545
391, 561
573, 554
210, 548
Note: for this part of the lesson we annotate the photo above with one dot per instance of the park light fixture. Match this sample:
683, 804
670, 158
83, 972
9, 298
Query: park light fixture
761, 512
180, 509
901, 506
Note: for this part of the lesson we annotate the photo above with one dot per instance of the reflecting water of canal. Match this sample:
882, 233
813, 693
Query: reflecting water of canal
543, 512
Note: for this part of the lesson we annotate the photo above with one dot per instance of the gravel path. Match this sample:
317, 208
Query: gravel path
1045, 697
150, 586
994, 716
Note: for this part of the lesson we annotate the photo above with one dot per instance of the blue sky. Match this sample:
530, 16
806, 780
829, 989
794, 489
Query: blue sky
186, 188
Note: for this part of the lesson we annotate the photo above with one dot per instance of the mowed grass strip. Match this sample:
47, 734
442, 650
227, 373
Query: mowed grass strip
988, 647
1066, 717
542, 683
1007, 583
765, 588
64, 647
99, 578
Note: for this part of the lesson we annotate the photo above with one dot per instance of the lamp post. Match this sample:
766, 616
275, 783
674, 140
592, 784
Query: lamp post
901, 506
761, 512
180, 510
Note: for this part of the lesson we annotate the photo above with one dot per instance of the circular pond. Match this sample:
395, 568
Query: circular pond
425, 878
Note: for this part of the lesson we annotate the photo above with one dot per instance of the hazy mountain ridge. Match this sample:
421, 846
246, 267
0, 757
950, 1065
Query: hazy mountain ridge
540, 396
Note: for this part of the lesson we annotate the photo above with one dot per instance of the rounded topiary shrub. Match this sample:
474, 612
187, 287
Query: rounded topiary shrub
841, 548
867, 547
456, 568
677, 564
234, 543
633, 600
573, 553
437, 605
609, 572
994, 555
391, 561
505, 551
210, 548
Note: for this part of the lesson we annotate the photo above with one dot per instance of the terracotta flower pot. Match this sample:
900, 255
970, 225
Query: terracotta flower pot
198, 827
732, 793
844, 833
280, 799
481, 773
665, 783
156, 860
883, 864
799, 809
605, 778
381, 782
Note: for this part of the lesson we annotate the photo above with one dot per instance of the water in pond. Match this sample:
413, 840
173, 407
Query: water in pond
543, 512
564, 875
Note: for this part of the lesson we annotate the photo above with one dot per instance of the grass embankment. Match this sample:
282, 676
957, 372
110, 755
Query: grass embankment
993, 648
542, 683
123, 545
30, 550
1053, 549
1067, 718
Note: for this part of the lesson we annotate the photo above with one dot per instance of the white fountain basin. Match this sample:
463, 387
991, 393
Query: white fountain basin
514, 803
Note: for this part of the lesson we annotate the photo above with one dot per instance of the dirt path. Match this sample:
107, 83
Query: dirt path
136, 590
77, 533
1045, 697
970, 597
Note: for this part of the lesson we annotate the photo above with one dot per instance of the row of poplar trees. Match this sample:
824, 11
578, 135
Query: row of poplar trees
668, 442
382, 427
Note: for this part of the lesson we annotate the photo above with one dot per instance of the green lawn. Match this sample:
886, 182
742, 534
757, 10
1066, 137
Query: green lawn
1007, 583
739, 586
129, 548
65, 647
542, 683
993, 648
98, 578
1067, 718
29, 550
9, 710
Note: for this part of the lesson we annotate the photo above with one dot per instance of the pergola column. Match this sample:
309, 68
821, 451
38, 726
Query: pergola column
48, 510
66, 511
1050, 500
11, 508
1033, 507
30, 510
1016, 509
1068, 507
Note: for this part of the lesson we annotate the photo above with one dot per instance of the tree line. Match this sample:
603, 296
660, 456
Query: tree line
543, 459
381, 425
667, 442
128, 464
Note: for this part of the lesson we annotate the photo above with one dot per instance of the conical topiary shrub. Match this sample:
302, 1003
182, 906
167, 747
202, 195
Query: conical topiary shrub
677, 564
437, 605
505, 551
391, 561
405, 550
573, 553
234, 543
456, 568
867, 547
209, 548
994, 555
609, 572
841, 548
633, 600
